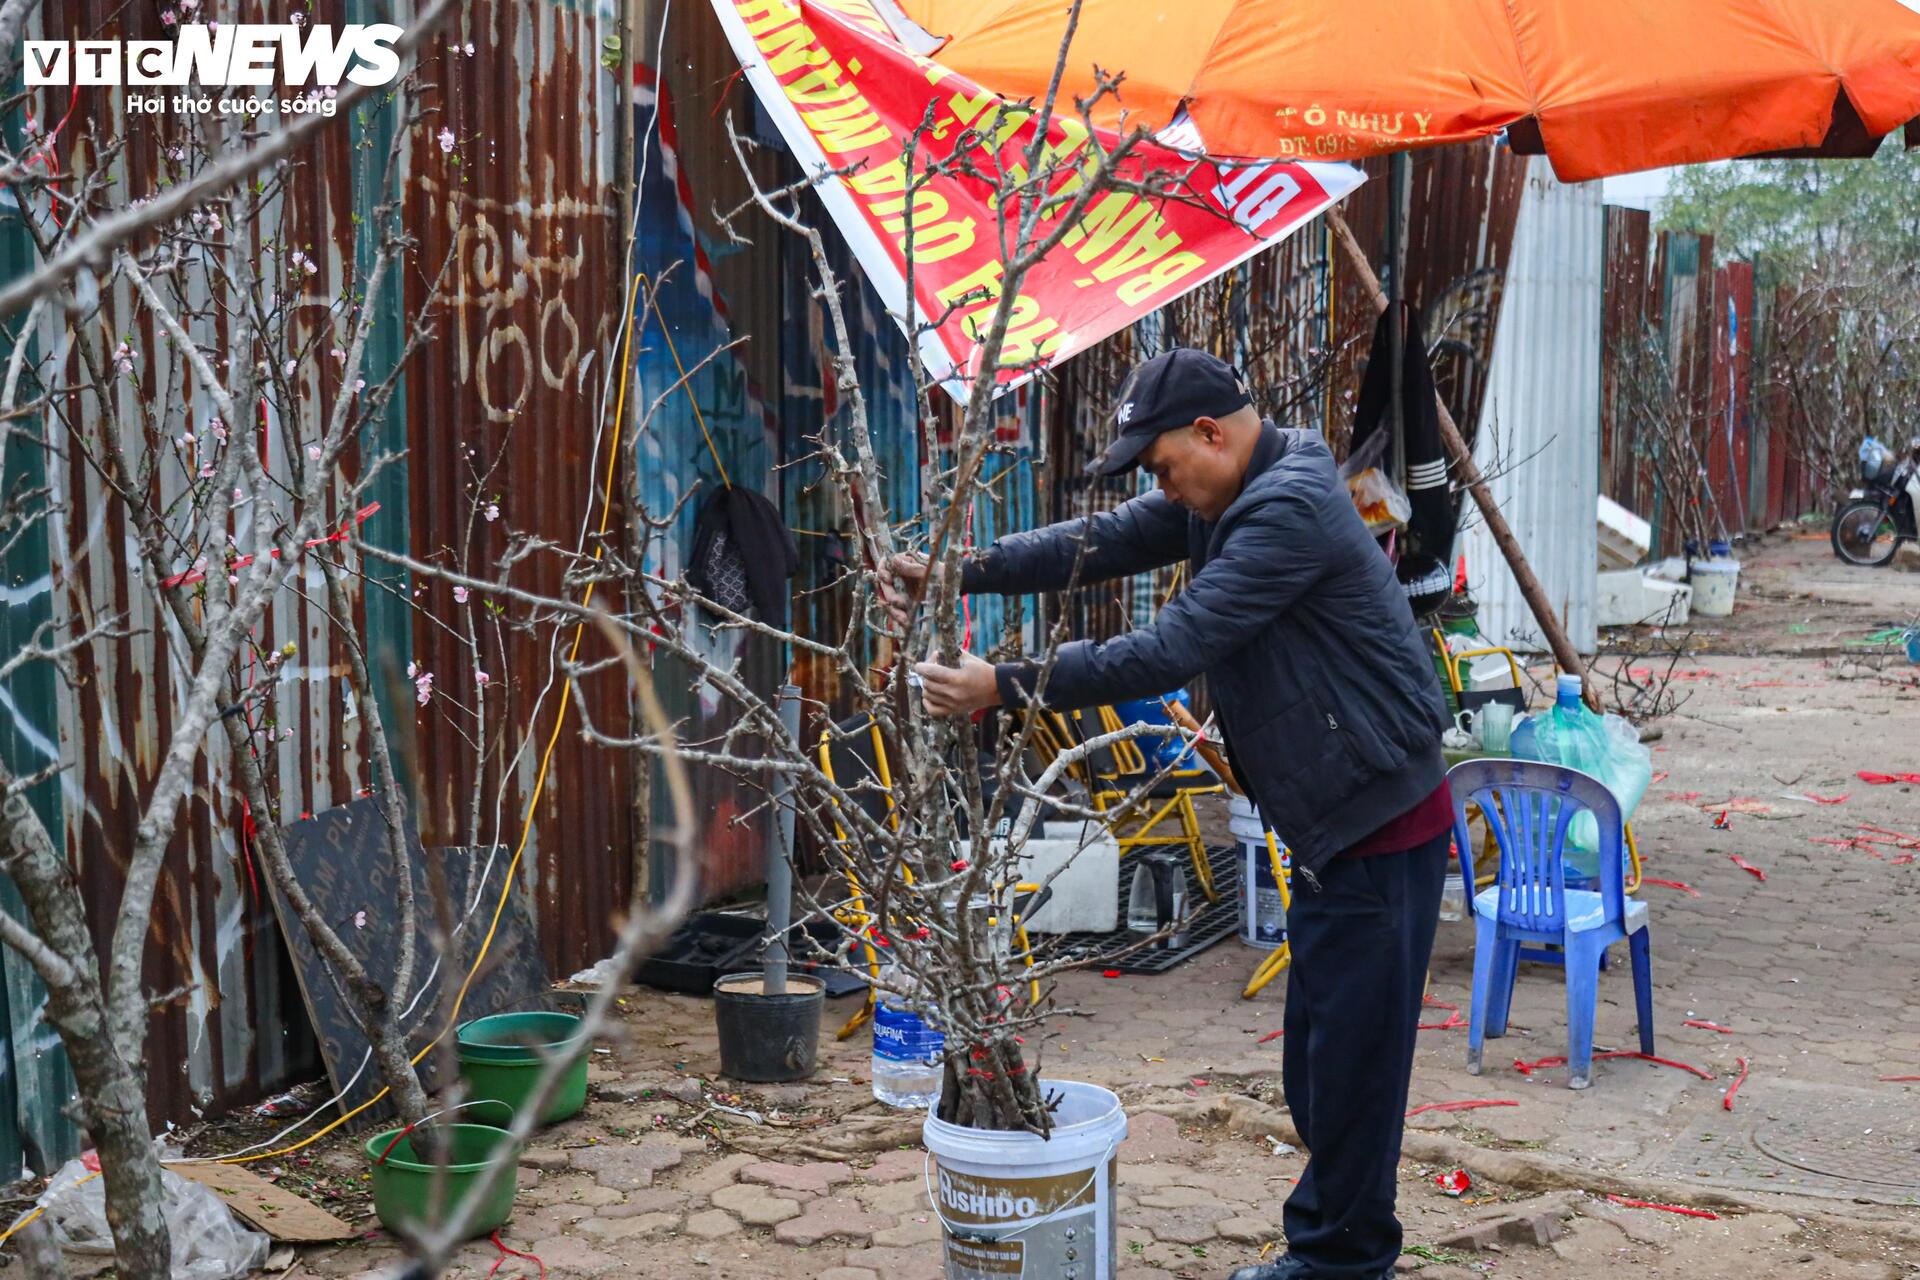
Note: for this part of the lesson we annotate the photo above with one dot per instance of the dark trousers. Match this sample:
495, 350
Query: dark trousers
1360, 943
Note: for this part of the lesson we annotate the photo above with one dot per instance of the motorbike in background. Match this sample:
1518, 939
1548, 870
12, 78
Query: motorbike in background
1877, 517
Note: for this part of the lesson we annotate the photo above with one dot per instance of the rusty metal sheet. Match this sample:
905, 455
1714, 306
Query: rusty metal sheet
534, 220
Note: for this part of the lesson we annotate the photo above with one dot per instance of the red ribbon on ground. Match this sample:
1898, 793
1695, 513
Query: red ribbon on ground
534, 1258
1687, 889
1470, 1105
1817, 799
1665, 1208
1707, 1026
1271, 1035
1453, 1020
1900, 1079
1873, 779
1727, 1101
1747, 867
1528, 1068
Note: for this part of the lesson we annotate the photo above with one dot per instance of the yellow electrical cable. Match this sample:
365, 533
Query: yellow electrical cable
546, 756
697, 415
540, 778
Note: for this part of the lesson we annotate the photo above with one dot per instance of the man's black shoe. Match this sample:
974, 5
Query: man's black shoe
1287, 1267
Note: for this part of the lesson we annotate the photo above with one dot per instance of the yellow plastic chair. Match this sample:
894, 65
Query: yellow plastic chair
1137, 824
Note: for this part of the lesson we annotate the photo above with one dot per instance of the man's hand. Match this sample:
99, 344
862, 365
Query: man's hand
958, 691
902, 585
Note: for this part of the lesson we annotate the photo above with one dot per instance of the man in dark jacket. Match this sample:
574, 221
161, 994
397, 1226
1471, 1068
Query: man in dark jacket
1332, 716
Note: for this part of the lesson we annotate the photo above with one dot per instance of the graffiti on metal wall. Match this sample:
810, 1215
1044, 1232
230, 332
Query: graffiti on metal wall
516, 271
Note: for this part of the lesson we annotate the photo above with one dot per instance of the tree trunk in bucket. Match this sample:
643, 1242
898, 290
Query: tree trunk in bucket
1015, 1204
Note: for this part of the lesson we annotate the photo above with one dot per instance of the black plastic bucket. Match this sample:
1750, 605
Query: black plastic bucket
768, 1039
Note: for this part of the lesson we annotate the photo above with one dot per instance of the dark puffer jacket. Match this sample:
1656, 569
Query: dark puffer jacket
1332, 711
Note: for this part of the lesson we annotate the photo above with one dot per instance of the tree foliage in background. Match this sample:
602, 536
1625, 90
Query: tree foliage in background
1798, 214
1840, 240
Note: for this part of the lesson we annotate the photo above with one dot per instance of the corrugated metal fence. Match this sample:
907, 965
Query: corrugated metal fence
1713, 322
532, 220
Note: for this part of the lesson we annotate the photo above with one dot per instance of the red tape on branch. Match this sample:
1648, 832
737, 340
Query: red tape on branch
1665, 1208
1469, 1105
1747, 867
1726, 1102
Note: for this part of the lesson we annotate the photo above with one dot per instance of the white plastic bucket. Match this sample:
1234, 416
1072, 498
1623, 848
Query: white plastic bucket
1263, 915
1018, 1207
1715, 582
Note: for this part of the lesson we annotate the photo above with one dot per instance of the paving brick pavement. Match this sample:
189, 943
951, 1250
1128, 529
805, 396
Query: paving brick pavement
1811, 972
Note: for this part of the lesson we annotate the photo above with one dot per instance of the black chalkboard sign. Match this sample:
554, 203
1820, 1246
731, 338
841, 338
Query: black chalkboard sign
340, 857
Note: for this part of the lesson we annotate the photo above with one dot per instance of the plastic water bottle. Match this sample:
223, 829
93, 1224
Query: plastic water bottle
908, 1055
1567, 691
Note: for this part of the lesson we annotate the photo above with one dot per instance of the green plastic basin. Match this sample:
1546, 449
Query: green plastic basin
411, 1195
501, 1059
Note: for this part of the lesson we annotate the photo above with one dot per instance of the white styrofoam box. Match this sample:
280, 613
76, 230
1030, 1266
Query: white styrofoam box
1670, 604
1622, 598
1624, 537
1086, 893
1631, 598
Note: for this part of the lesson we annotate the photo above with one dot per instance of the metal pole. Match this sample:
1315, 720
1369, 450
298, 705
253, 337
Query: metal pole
1398, 191
773, 980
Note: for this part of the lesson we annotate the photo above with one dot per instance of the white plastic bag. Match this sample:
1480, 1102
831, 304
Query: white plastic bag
209, 1243
1379, 500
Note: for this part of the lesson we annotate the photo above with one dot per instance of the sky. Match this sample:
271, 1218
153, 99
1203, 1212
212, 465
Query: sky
1638, 190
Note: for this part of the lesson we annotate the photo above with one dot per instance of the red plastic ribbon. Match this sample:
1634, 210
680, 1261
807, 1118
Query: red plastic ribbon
1899, 1079
1453, 1020
1528, 1068
1748, 867
1665, 1208
1727, 1101
534, 1258
1885, 779
1271, 1035
1470, 1105
1818, 799
1708, 1026
1687, 889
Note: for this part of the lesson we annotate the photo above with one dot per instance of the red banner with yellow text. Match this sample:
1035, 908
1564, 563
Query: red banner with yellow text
847, 96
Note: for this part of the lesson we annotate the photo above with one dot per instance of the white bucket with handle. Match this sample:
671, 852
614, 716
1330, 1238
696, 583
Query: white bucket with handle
1263, 913
1015, 1206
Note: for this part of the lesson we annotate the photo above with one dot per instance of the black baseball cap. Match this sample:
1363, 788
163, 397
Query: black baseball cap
1174, 389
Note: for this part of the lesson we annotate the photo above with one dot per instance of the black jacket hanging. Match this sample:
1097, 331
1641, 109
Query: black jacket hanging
1428, 543
743, 554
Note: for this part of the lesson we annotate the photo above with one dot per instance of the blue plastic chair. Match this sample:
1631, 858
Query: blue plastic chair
1529, 807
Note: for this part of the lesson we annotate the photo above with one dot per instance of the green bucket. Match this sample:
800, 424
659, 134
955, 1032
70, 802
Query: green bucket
501, 1058
412, 1195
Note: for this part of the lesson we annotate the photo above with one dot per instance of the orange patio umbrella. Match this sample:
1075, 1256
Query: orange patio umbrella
1603, 86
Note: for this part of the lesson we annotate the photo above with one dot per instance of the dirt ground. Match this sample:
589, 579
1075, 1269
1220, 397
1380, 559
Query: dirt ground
1802, 968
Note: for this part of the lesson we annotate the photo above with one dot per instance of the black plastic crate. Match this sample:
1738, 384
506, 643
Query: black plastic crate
712, 944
